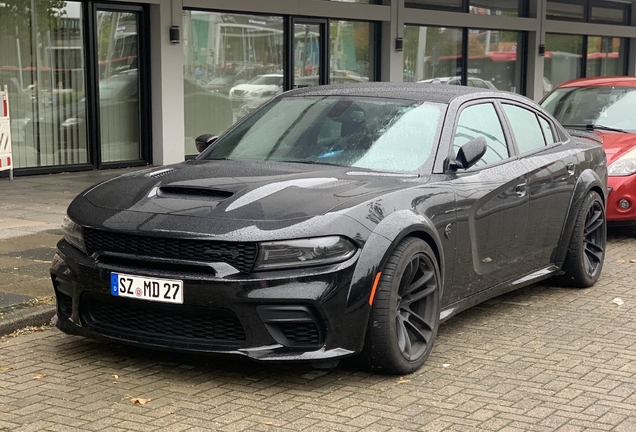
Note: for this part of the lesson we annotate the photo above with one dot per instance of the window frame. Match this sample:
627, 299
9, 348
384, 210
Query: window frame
505, 127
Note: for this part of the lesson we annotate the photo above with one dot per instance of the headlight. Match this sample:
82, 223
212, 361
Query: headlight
73, 233
304, 253
624, 165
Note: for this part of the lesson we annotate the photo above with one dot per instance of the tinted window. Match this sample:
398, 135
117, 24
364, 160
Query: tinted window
525, 127
482, 120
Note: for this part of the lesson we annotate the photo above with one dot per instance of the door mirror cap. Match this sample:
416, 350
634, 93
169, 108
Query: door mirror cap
204, 141
469, 153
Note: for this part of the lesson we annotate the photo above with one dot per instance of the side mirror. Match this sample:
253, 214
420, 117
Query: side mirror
204, 141
469, 153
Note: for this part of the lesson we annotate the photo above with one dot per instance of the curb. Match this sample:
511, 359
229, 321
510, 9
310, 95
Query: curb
34, 316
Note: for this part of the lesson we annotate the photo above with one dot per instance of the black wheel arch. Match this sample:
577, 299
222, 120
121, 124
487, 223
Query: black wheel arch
588, 181
377, 249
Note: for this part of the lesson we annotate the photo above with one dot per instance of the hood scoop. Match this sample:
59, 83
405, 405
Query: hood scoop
189, 192
160, 173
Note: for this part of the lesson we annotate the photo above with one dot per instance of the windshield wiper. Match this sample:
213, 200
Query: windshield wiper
592, 127
309, 162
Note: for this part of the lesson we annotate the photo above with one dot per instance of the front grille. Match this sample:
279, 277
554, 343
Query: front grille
239, 255
301, 333
160, 322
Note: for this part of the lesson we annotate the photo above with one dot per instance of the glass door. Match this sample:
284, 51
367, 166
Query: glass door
310, 53
120, 84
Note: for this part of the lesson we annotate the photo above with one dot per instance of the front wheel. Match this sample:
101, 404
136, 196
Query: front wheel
405, 312
586, 253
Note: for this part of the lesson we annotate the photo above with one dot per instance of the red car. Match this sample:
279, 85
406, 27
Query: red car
607, 107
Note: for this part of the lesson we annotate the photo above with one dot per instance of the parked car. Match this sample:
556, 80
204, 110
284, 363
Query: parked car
605, 106
62, 127
471, 82
336, 221
267, 83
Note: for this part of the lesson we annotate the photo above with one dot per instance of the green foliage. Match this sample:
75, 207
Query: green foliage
18, 15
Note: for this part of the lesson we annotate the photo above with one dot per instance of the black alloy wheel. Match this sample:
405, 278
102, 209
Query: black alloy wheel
405, 312
587, 248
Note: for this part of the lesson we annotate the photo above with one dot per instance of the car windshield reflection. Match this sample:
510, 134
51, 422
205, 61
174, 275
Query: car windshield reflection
586, 107
380, 134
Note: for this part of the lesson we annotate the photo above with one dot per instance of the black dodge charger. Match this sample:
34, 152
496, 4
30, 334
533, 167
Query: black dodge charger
336, 221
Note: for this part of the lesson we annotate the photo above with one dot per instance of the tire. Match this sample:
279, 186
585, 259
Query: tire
402, 327
586, 252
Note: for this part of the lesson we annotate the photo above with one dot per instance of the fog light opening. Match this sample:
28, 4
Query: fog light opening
624, 204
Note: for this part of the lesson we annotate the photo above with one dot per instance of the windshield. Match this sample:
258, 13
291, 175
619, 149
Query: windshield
380, 134
606, 106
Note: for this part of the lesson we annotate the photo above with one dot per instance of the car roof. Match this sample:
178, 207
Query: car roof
408, 91
600, 81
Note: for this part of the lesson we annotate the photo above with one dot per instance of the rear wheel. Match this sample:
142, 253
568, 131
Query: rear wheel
586, 253
405, 312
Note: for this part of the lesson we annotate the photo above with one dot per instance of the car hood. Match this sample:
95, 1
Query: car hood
236, 190
617, 144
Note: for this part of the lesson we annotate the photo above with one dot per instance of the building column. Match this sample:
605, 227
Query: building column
391, 60
166, 70
536, 38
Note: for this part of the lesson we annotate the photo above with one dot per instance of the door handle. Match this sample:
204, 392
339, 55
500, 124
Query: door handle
570, 168
521, 189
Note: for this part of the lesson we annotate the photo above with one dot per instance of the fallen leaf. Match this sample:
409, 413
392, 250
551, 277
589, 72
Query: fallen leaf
620, 261
139, 401
618, 301
269, 423
632, 261
403, 381
38, 376
6, 368
115, 376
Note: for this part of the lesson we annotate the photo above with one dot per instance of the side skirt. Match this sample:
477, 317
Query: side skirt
480, 297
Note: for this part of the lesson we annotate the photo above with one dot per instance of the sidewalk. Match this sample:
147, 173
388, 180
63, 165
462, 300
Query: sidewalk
31, 210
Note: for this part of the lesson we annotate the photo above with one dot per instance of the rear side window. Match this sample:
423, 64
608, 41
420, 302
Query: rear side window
525, 127
482, 120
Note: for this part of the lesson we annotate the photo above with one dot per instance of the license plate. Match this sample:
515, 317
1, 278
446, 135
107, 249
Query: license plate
144, 288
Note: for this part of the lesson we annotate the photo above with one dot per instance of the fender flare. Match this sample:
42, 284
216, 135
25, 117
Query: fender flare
384, 238
587, 181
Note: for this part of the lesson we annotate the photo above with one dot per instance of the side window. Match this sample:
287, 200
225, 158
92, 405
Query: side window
482, 120
548, 132
525, 127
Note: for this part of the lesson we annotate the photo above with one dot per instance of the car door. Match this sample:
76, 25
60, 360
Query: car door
551, 168
492, 204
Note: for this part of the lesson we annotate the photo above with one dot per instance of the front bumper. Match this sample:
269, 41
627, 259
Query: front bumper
291, 315
622, 188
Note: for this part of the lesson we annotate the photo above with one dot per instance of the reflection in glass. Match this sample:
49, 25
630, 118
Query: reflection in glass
42, 63
434, 4
611, 106
494, 58
605, 56
562, 58
307, 43
351, 47
565, 11
498, 7
432, 52
232, 64
119, 116
610, 15
363, 132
